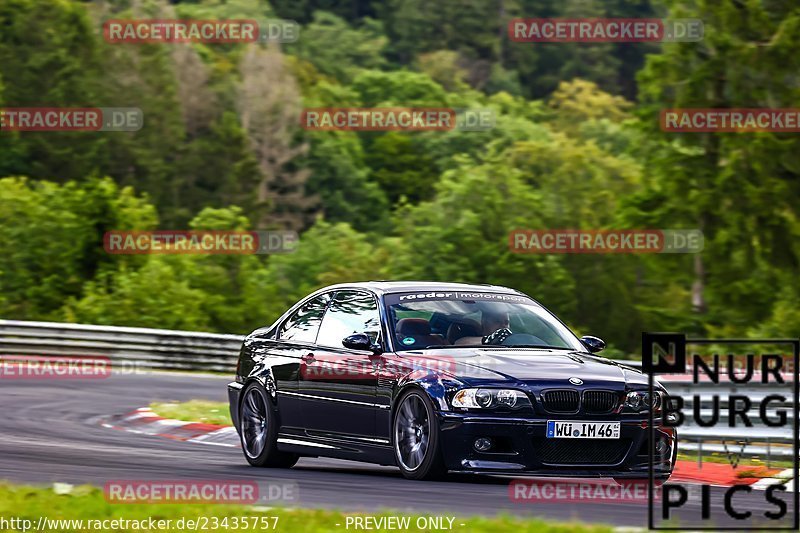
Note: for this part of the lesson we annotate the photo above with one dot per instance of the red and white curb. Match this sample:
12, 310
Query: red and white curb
145, 422
784, 477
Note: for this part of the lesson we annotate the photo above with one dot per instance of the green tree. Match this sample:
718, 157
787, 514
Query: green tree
739, 189
340, 177
152, 296
49, 58
326, 254
462, 234
51, 239
399, 88
338, 50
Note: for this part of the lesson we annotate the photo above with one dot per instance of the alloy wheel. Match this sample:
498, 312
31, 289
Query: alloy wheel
254, 423
412, 431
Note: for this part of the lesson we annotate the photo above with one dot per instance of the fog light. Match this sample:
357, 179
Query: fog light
661, 446
483, 444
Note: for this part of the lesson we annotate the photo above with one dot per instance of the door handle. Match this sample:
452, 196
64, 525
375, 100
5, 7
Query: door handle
308, 358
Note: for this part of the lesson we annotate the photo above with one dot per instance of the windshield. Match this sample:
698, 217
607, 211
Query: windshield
446, 319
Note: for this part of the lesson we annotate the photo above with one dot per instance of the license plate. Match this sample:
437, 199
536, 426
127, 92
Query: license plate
576, 429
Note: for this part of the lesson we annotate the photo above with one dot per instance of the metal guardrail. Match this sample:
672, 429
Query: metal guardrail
126, 347
162, 349
761, 440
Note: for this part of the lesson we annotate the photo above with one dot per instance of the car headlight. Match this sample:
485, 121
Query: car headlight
490, 398
640, 400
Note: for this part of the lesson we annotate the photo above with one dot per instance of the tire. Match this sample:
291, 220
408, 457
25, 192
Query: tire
258, 430
416, 439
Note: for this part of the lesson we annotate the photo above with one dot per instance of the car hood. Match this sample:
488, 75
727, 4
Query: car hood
485, 365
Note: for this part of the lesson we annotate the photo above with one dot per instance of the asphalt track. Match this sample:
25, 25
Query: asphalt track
49, 432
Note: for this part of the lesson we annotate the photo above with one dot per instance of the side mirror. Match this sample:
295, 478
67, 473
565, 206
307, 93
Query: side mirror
361, 341
593, 344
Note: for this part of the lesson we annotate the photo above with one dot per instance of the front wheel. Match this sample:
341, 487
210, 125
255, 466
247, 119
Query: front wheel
417, 445
259, 430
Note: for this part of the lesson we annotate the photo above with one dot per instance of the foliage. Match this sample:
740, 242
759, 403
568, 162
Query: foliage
576, 144
336, 49
51, 239
74, 504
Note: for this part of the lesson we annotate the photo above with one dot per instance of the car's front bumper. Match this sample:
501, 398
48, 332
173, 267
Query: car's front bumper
520, 447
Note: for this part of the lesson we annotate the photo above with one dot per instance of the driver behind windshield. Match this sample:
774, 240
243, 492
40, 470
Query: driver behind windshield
495, 327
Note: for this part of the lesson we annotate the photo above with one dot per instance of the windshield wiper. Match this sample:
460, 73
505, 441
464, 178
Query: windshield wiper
543, 346
437, 346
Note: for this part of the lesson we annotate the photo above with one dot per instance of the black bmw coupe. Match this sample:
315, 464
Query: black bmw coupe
442, 377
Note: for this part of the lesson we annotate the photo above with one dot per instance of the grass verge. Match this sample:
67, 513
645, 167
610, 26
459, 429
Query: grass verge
194, 411
75, 507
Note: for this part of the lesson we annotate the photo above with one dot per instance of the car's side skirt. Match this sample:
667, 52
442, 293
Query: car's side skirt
339, 446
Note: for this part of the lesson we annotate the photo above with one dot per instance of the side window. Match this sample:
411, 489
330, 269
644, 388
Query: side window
303, 325
350, 312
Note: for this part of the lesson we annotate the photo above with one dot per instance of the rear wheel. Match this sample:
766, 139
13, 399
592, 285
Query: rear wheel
417, 441
259, 430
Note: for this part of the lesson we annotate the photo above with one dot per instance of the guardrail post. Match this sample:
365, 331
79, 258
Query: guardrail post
699, 452
769, 454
